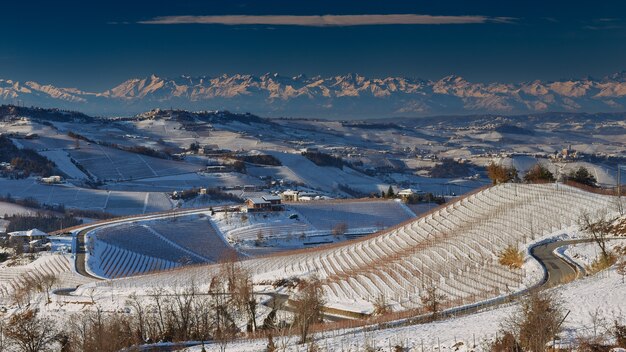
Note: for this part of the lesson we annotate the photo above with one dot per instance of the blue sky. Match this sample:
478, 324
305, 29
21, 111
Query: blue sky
97, 44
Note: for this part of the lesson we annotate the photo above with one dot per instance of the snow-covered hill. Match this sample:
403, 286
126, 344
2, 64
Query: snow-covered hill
350, 95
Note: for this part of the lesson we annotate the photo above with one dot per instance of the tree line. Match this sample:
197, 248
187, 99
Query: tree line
538, 173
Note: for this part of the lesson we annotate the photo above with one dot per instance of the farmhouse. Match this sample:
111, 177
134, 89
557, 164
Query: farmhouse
264, 203
30, 239
409, 192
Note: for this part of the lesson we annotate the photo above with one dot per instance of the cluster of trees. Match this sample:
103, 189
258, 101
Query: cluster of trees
260, 159
449, 168
44, 114
323, 159
25, 162
538, 173
239, 166
213, 193
582, 176
30, 202
43, 222
425, 198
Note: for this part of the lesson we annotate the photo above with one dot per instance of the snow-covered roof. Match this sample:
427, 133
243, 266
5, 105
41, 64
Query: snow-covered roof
258, 200
271, 198
409, 191
29, 233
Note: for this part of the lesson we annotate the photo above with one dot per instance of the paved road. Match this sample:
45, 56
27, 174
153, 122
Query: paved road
80, 254
558, 271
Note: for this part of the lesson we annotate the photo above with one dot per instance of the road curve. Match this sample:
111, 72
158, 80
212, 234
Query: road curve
80, 257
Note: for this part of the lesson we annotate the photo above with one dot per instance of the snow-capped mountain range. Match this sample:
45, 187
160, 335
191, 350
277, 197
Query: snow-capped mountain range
347, 96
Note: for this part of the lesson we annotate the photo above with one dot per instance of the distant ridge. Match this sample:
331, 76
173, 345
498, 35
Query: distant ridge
347, 96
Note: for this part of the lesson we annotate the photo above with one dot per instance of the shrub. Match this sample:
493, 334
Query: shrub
381, 307
505, 343
530, 328
511, 257
601, 263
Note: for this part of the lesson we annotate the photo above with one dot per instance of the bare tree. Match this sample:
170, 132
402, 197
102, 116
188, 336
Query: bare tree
139, 315
243, 294
31, 333
23, 294
308, 306
2, 339
224, 328
598, 227
432, 300
45, 283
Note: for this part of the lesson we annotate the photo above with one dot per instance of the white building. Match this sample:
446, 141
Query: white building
52, 179
28, 236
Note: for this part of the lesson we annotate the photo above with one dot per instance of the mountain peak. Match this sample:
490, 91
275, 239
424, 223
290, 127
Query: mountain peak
341, 95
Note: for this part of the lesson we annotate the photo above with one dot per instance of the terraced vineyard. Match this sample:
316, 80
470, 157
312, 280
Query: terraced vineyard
12, 278
454, 248
145, 246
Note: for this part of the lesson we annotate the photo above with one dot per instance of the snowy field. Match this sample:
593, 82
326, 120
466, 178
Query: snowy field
322, 177
12, 209
357, 215
118, 203
113, 164
62, 160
